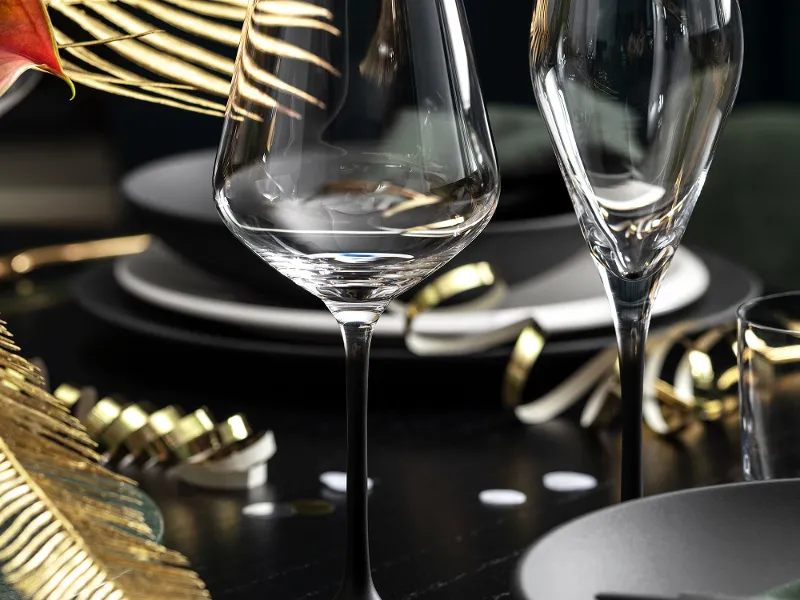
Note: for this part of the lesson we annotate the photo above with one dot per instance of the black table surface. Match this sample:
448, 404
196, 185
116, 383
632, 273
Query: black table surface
434, 447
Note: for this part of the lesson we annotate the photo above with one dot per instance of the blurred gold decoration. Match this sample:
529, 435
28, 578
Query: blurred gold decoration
312, 507
387, 51
183, 73
27, 261
27, 295
540, 31
64, 534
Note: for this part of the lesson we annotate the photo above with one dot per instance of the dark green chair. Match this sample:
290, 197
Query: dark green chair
750, 208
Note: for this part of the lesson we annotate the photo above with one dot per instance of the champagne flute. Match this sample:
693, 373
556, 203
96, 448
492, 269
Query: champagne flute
356, 159
635, 94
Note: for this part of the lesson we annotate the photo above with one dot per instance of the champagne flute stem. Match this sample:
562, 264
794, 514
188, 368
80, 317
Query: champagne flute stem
357, 583
632, 300
631, 341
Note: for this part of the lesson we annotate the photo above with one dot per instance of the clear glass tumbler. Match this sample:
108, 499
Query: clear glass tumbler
769, 372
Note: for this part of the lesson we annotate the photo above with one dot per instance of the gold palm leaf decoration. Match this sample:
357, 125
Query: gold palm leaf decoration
540, 33
69, 528
179, 70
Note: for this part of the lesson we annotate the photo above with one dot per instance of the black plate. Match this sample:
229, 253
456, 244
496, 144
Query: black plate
98, 292
735, 540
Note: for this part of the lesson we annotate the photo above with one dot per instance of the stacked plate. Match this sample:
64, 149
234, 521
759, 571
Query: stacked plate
197, 283
567, 300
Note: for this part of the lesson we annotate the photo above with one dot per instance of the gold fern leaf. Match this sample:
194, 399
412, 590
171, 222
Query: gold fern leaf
69, 527
183, 73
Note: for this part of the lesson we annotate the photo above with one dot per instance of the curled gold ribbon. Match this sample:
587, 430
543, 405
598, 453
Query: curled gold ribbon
147, 443
527, 350
194, 438
452, 284
168, 436
461, 281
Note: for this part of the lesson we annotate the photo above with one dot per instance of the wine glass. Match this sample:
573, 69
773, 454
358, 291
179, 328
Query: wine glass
356, 159
635, 94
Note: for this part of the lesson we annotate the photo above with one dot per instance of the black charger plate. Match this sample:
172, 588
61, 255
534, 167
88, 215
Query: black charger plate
97, 291
735, 540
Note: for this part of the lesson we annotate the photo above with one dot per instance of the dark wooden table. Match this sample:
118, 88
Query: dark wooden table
434, 447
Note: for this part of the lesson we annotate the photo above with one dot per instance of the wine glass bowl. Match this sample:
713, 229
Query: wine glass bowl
635, 94
355, 226
375, 171
356, 159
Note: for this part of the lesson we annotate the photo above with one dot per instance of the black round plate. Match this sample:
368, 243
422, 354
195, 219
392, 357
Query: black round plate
98, 292
735, 540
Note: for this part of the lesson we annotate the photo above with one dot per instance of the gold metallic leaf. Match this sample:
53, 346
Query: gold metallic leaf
130, 36
187, 65
188, 22
145, 56
247, 90
94, 60
284, 7
212, 9
252, 70
143, 83
164, 41
286, 21
69, 527
290, 8
93, 82
270, 45
122, 91
192, 103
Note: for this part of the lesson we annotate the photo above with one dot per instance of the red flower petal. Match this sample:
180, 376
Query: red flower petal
26, 42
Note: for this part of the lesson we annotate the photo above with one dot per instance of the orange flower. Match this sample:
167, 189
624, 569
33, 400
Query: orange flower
26, 42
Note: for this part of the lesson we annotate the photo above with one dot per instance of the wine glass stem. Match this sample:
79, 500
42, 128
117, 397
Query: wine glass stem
632, 300
357, 584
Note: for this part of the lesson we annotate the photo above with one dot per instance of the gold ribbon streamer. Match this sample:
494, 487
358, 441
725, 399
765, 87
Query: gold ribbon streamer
467, 279
169, 436
700, 389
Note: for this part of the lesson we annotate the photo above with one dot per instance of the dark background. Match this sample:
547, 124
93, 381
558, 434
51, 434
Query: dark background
500, 36
755, 165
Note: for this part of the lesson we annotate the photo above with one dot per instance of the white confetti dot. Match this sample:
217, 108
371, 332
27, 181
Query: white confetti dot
267, 509
337, 481
566, 481
502, 497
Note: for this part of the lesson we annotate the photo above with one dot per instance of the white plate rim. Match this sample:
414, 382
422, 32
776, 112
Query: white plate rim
555, 318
